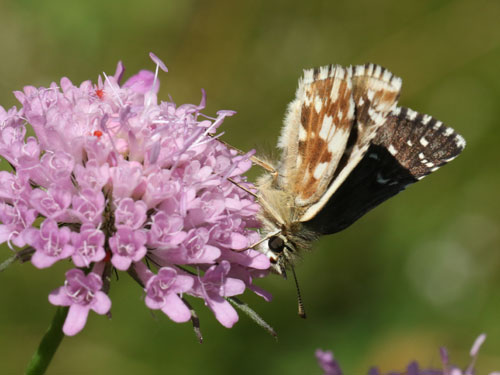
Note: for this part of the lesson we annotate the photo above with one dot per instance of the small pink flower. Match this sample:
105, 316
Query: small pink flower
88, 244
214, 286
127, 246
53, 202
162, 292
50, 242
130, 214
17, 220
81, 293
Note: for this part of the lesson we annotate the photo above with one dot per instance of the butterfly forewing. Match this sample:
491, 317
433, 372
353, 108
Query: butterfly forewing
375, 92
407, 148
318, 122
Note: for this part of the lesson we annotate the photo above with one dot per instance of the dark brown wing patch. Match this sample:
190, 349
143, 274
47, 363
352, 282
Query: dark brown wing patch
420, 143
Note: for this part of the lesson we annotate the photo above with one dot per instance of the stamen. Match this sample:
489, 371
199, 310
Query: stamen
117, 95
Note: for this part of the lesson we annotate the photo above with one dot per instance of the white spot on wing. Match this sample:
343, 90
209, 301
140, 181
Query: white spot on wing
396, 83
302, 133
411, 115
334, 94
448, 132
308, 76
350, 114
319, 170
360, 70
326, 127
318, 104
339, 72
460, 141
337, 142
392, 150
409, 143
426, 119
396, 111
382, 180
387, 76
424, 142
376, 116
437, 125
323, 72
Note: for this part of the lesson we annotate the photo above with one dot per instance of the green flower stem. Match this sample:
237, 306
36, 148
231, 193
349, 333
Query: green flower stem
49, 344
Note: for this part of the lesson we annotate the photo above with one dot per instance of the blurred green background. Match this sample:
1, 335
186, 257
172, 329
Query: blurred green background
420, 271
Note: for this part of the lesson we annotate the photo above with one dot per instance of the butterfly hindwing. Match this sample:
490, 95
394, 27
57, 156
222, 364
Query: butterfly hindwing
419, 142
407, 148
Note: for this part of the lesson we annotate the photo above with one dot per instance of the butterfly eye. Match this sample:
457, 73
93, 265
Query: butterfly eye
276, 244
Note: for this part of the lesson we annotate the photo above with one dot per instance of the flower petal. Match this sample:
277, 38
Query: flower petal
224, 312
233, 287
58, 297
76, 319
175, 309
101, 304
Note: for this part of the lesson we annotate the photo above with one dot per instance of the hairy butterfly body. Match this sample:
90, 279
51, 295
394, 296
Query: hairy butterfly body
345, 148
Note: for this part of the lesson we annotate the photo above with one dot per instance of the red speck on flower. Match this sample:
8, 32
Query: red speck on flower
107, 258
99, 93
98, 133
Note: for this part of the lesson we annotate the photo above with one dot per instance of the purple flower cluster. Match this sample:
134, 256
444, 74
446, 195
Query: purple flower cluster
331, 367
112, 177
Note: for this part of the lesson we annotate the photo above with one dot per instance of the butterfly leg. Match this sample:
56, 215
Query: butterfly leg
243, 188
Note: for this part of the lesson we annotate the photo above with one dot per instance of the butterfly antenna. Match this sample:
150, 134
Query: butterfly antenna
302, 311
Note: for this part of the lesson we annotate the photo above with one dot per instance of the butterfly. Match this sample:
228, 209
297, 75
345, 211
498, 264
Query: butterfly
346, 147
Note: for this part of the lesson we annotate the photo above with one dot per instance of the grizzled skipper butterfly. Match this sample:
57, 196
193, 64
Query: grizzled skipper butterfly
345, 148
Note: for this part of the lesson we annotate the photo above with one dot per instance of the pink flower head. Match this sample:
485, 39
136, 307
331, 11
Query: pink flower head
81, 293
114, 177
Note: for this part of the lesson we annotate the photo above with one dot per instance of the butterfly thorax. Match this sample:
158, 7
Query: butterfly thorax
286, 235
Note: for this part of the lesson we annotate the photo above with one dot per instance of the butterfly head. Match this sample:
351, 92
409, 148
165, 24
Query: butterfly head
283, 247
280, 252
